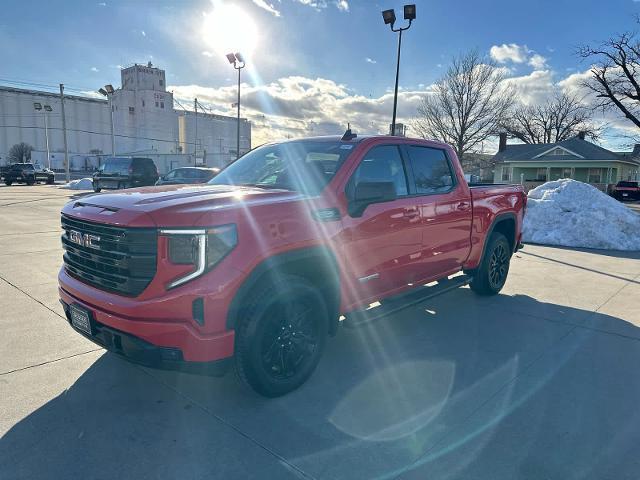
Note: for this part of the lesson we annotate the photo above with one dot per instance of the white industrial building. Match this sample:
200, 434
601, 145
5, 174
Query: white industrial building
144, 121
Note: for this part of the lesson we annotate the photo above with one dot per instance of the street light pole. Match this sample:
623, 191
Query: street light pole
389, 17
47, 109
108, 91
237, 60
238, 122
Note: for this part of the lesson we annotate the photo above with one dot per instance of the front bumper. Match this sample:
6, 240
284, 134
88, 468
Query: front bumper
144, 353
160, 344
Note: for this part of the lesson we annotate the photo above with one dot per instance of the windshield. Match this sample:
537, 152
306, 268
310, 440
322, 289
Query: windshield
304, 166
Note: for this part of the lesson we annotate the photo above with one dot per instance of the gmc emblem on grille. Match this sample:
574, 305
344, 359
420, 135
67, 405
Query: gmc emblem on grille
84, 239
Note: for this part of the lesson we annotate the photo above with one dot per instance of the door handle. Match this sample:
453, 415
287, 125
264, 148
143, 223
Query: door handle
411, 212
463, 206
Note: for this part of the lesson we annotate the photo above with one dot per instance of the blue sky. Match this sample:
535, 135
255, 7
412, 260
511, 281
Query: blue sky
307, 51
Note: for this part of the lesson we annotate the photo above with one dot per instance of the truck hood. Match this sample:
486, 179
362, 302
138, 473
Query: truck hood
170, 205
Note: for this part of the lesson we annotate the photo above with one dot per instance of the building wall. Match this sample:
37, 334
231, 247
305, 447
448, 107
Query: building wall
87, 119
145, 122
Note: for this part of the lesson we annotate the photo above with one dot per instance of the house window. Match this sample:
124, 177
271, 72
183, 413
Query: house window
156, 104
595, 175
557, 151
131, 109
161, 82
161, 104
506, 174
541, 174
566, 173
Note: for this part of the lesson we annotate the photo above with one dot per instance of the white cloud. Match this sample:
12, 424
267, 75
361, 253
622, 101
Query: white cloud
267, 6
370, 60
144, 34
206, 53
102, 4
509, 53
534, 88
94, 69
538, 62
342, 5
300, 106
519, 54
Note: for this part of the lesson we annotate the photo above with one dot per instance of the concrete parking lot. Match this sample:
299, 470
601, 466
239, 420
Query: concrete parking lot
539, 382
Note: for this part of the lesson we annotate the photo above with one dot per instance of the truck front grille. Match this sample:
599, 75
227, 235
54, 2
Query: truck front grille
114, 259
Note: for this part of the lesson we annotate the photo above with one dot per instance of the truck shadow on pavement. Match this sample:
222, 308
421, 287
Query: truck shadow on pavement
457, 387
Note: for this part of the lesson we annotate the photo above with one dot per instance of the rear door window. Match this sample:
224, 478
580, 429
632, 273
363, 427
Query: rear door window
432, 172
382, 164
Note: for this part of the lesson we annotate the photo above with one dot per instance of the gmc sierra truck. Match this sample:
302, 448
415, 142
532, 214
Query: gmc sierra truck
258, 267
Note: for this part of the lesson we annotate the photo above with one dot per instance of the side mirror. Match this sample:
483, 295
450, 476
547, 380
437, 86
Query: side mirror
367, 193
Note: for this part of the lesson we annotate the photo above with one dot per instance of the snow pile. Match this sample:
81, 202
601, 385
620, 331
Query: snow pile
575, 214
81, 184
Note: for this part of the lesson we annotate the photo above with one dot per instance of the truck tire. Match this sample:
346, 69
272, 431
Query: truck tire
31, 180
8, 183
282, 335
492, 272
50, 180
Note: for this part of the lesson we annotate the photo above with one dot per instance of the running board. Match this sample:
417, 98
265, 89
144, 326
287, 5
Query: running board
400, 302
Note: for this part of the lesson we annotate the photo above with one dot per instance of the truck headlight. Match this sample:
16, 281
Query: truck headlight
202, 248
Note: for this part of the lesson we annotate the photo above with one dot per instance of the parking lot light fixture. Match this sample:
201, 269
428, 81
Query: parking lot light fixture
389, 17
47, 108
108, 91
237, 60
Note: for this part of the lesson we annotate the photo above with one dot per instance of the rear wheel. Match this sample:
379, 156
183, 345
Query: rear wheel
50, 180
281, 338
492, 273
8, 182
31, 181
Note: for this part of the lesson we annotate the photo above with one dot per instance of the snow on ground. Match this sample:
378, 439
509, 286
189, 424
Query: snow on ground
574, 214
81, 184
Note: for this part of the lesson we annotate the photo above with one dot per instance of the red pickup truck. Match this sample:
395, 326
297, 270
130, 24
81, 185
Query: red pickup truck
258, 267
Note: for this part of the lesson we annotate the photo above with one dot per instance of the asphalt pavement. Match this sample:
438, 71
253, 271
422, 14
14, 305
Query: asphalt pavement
539, 382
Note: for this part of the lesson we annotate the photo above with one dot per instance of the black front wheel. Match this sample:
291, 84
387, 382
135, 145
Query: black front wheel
8, 183
492, 272
31, 181
281, 338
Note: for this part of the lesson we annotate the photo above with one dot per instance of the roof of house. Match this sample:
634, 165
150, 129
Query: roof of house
576, 150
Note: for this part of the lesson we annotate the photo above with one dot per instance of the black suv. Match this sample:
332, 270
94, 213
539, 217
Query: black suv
27, 173
125, 172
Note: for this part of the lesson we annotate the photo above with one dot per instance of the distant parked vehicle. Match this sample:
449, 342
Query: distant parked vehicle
187, 175
27, 173
125, 172
44, 174
626, 190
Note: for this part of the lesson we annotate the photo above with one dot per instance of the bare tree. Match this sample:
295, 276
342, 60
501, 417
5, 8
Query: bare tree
615, 79
561, 117
20, 152
467, 106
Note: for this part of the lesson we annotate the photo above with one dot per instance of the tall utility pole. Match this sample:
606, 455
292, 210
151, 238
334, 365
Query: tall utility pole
195, 146
64, 137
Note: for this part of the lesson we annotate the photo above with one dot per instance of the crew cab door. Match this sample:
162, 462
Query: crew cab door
444, 201
382, 244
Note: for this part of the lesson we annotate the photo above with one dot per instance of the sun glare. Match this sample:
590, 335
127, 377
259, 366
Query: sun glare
228, 28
